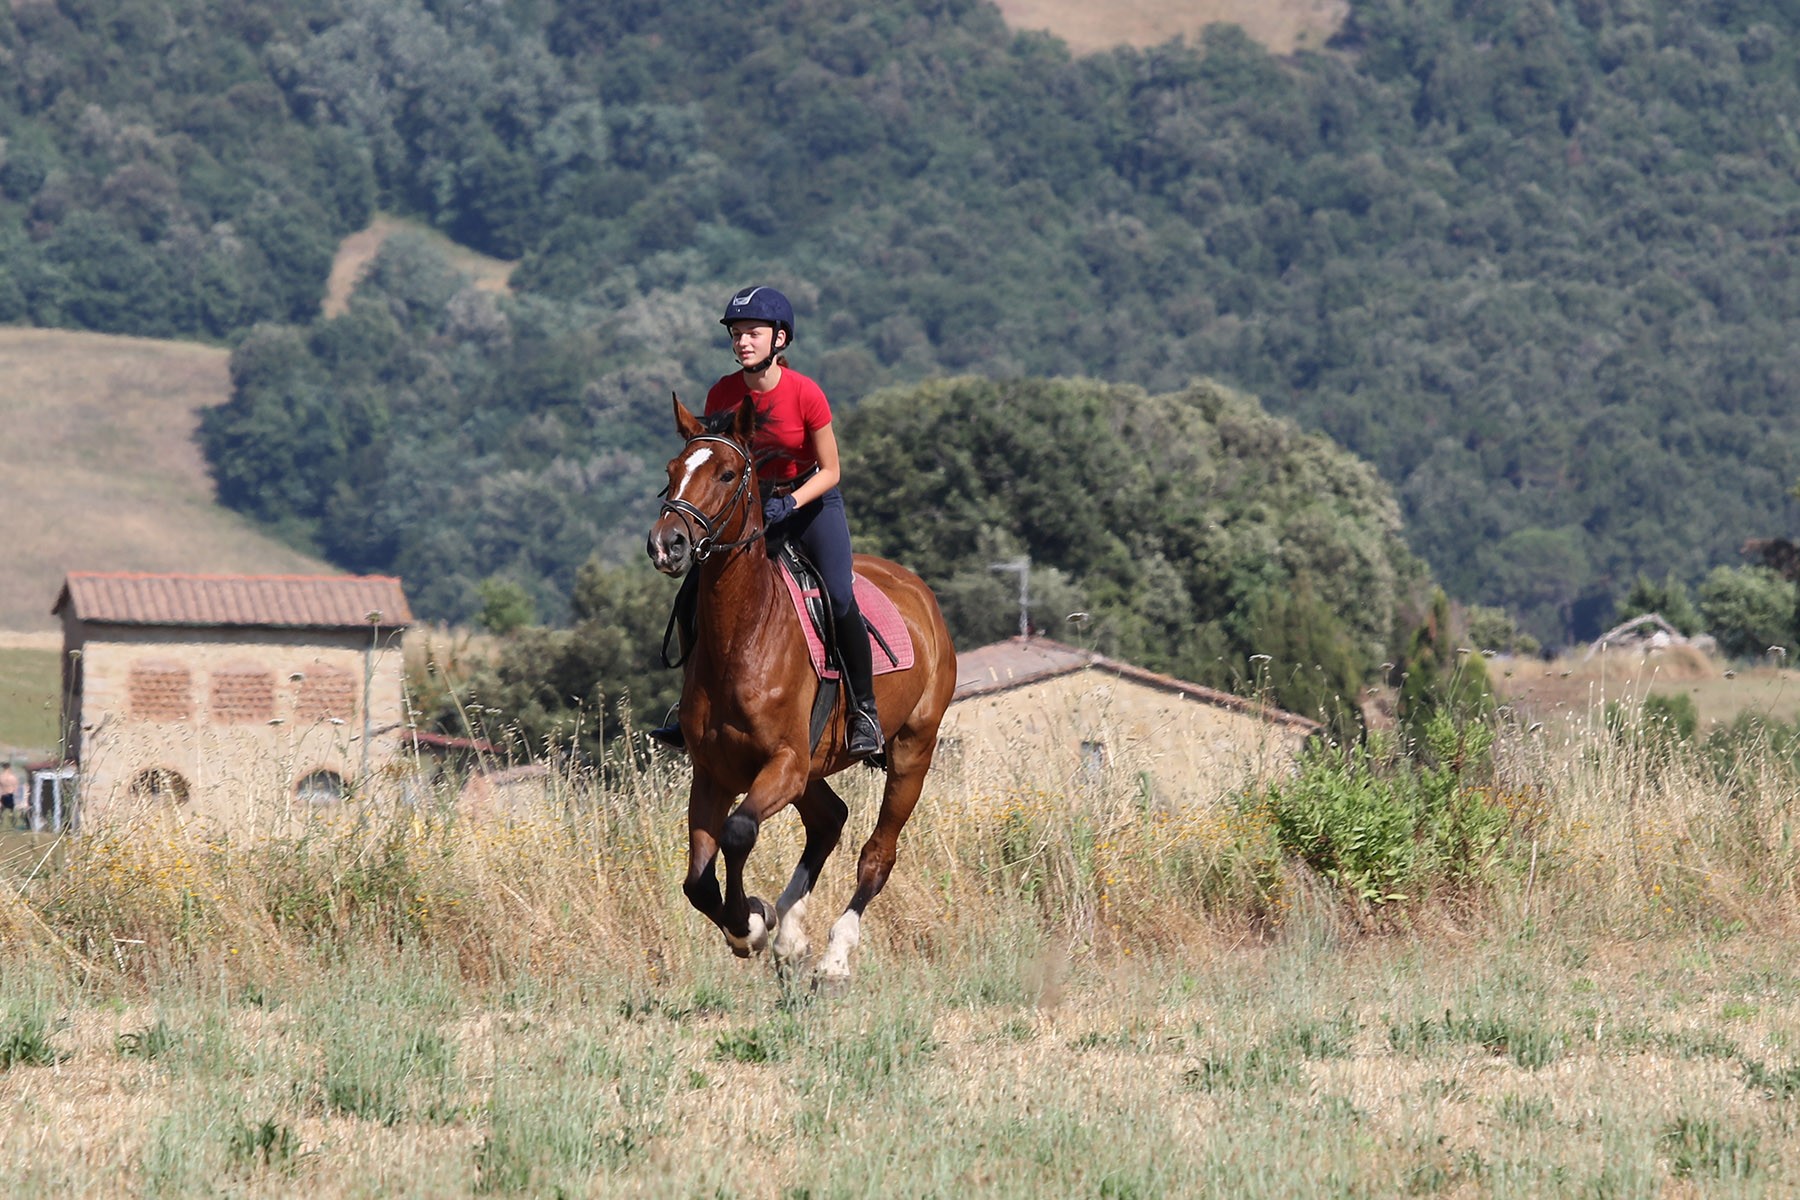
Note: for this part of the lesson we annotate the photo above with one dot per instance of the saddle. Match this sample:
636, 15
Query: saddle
890, 647
880, 617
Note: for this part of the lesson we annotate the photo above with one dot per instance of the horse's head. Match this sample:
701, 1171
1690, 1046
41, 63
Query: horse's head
711, 502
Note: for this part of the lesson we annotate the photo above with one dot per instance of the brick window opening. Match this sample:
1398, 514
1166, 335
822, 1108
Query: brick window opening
326, 693
160, 784
241, 695
320, 787
160, 691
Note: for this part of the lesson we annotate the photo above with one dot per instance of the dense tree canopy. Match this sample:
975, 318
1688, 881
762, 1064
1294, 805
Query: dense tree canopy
1534, 261
1171, 522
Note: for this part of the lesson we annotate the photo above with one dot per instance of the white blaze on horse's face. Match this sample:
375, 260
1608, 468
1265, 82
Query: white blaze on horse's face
693, 462
671, 541
703, 486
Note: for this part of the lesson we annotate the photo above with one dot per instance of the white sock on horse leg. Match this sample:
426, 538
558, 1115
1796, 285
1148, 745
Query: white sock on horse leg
846, 932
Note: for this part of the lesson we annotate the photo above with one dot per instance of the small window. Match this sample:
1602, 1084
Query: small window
1093, 761
160, 785
320, 788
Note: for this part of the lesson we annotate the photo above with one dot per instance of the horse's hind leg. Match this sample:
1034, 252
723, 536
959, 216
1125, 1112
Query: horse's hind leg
823, 813
877, 859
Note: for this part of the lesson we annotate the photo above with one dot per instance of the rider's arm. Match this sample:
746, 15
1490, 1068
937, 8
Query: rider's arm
824, 448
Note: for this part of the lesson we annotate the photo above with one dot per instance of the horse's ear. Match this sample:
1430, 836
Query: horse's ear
745, 425
686, 423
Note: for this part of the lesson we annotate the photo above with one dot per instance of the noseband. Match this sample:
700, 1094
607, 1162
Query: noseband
708, 543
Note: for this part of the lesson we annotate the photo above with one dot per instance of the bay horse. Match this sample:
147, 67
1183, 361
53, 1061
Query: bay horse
748, 695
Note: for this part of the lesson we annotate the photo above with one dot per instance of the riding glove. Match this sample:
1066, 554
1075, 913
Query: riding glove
777, 509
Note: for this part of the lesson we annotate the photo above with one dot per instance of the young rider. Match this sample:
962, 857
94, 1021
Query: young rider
798, 468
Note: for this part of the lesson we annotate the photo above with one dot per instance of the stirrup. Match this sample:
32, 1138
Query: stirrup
669, 732
865, 735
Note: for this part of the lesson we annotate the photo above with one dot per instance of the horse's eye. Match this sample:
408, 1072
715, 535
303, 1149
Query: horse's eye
730, 476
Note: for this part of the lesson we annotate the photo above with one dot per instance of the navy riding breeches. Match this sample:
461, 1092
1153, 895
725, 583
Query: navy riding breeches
823, 532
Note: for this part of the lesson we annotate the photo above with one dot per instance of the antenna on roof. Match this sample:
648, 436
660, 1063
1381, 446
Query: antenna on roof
1022, 565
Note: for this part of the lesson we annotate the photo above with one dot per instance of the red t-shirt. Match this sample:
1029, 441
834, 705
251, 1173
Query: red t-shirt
792, 411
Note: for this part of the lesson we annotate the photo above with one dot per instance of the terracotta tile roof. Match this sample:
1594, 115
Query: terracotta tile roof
1019, 662
260, 601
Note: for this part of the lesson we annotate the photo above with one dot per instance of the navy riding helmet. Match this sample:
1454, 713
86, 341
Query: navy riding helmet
761, 304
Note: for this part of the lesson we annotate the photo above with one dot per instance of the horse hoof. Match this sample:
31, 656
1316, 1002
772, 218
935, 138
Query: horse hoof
831, 983
764, 923
790, 953
761, 928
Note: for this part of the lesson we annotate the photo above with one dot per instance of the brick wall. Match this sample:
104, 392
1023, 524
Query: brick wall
1093, 727
233, 719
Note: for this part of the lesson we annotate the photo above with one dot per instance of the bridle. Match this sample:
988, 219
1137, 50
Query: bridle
708, 543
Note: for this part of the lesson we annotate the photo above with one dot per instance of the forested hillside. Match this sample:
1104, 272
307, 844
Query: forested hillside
1534, 261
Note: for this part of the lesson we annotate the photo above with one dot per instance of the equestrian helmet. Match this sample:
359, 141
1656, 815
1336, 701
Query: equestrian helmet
761, 304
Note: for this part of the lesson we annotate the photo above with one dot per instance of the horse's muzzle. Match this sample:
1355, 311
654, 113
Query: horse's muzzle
670, 549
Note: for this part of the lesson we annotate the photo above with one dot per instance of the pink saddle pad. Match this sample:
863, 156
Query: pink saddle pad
881, 615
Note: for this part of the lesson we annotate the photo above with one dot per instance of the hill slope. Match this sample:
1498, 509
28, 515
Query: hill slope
102, 469
1284, 26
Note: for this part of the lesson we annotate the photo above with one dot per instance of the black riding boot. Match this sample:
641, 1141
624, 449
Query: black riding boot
864, 735
669, 732
681, 624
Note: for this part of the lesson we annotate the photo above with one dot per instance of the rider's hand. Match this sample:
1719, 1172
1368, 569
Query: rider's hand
777, 509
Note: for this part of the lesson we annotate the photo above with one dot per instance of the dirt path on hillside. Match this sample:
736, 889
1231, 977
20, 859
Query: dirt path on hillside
1284, 26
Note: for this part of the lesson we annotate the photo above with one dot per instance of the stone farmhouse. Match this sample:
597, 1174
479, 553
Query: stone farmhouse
244, 699
1032, 713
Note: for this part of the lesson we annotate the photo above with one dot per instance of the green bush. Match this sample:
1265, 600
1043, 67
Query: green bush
1668, 600
1748, 610
1387, 829
1352, 826
1671, 716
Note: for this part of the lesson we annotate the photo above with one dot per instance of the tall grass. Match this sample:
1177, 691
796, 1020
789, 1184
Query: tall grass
1573, 978
1622, 830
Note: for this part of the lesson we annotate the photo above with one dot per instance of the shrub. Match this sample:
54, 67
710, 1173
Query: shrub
1748, 610
1387, 829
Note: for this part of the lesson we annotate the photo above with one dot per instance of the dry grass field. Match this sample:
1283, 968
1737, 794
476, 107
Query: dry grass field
1573, 691
102, 472
1284, 26
1057, 996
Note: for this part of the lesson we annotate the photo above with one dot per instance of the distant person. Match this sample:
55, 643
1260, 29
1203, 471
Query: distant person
9, 787
797, 454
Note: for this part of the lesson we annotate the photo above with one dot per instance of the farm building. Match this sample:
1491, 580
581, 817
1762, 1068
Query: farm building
1035, 713
241, 698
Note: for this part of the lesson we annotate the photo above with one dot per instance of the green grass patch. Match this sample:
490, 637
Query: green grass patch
30, 686
1701, 1149
1527, 1043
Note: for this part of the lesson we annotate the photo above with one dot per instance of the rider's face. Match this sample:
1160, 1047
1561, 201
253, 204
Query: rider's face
751, 341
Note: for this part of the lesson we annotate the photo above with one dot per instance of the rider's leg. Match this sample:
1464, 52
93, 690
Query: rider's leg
864, 737
826, 536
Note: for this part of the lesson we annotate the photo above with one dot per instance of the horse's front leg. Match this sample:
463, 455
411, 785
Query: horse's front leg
823, 812
707, 805
750, 920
